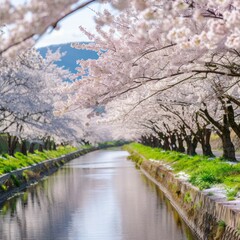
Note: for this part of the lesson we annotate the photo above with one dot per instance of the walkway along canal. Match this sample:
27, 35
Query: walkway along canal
98, 196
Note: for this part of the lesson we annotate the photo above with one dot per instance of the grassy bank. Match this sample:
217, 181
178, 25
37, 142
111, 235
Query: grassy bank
9, 163
203, 172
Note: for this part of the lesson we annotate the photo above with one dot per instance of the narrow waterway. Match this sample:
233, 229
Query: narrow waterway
99, 196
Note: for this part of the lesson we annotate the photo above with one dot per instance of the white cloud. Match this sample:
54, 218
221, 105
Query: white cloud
69, 27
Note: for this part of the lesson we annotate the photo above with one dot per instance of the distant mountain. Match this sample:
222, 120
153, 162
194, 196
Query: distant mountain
72, 55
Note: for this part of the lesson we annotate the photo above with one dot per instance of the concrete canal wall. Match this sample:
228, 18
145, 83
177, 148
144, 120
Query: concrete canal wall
211, 218
15, 181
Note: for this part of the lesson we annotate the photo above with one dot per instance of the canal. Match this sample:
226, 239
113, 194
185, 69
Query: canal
98, 196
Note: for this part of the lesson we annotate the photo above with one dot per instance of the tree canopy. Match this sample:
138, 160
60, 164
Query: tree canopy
167, 73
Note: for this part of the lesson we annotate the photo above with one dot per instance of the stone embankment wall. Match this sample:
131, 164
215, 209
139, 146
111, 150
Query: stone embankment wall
209, 217
15, 181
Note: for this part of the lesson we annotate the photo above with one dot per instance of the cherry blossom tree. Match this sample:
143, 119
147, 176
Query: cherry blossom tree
24, 24
167, 72
32, 96
151, 47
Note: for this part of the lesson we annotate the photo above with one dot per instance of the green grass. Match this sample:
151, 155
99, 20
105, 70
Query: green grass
222, 224
232, 193
86, 146
9, 163
203, 172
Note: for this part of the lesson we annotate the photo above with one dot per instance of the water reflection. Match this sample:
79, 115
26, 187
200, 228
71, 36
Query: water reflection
97, 196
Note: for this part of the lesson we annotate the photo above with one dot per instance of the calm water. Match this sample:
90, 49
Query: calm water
99, 196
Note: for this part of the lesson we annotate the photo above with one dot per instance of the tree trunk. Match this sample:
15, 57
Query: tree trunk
161, 140
181, 147
231, 118
50, 145
206, 146
40, 148
224, 133
207, 150
160, 143
24, 147
191, 145
54, 146
228, 147
9, 145
173, 142
31, 147
157, 143
194, 146
45, 145
166, 145
12, 144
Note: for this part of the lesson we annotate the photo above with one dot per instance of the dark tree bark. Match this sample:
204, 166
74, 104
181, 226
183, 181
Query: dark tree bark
12, 144
173, 142
24, 147
31, 148
50, 145
166, 145
40, 148
228, 147
45, 145
206, 146
191, 145
231, 118
181, 147
161, 139
54, 146
145, 140
223, 131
